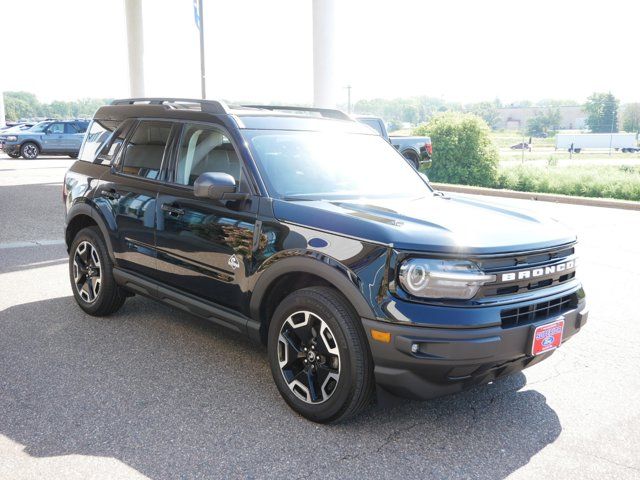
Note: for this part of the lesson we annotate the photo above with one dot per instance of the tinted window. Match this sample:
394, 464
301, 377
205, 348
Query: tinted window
96, 142
373, 123
205, 149
56, 128
70, 128
81, 127
144, 151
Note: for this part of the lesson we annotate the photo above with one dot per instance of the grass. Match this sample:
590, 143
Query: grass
602, 181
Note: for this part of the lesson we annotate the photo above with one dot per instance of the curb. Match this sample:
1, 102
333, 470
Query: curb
544, 197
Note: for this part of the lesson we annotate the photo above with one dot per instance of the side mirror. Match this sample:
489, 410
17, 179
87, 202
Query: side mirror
214, 185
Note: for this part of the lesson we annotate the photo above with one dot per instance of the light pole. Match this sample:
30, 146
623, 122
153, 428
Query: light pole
200, 24
348, 87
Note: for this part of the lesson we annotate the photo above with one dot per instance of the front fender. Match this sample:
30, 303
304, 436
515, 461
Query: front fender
314, 263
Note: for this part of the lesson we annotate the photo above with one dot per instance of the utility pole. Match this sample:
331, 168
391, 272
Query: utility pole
613, 119
197, 4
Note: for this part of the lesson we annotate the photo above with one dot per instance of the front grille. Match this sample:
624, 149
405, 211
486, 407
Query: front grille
531, 262
532, 313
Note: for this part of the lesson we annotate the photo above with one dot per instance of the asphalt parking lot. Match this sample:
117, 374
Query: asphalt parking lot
152, 392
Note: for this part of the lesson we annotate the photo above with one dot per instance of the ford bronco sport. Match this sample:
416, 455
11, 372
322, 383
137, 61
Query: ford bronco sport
309, 233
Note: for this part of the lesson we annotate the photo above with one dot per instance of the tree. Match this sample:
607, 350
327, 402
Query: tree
462, 149
631, 117
544, 122
602, 110
488, 111
20, 105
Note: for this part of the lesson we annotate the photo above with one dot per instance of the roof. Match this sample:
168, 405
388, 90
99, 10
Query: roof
268, 117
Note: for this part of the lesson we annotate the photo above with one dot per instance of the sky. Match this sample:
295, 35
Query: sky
261, 51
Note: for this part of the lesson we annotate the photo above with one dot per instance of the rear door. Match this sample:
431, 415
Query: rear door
128, 191
73, 135
205, 246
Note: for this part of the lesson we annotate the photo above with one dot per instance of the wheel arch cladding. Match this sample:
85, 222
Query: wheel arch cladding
82, 215
293, 273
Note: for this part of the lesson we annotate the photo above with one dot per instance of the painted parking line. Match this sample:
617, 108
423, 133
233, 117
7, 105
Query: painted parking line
32, 243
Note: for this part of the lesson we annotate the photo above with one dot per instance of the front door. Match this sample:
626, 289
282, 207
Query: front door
53, 139
130, 189
205, 246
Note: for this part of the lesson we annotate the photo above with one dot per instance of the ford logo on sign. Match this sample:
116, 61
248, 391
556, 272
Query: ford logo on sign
547, 341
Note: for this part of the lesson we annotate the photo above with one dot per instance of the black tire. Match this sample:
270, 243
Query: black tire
109, 297
14, 155
73, 156
30, 151
413, 158
354, 388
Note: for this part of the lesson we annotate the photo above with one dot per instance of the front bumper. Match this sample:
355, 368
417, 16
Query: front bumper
448, 360
10, 148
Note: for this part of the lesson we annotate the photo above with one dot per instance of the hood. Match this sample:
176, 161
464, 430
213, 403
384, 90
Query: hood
432, 224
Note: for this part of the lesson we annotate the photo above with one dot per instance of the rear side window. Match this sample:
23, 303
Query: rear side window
70, 128
98, 146
373, 123
144, 151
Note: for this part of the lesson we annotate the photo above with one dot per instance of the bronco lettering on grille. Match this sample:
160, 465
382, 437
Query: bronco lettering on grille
538, 272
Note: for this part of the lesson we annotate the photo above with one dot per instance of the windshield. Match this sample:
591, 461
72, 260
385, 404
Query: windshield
330, 165
39, 127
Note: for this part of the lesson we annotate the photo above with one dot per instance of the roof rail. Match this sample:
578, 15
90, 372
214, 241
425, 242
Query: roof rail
325, 112
208, 106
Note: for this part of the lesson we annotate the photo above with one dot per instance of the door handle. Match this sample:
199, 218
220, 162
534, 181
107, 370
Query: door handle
111, 194
171, 210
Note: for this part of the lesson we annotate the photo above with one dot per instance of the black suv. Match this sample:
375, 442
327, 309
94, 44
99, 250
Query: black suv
306, 231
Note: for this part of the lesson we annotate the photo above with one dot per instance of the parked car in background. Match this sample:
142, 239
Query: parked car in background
57, 137
521, 146
16, 127
417, 150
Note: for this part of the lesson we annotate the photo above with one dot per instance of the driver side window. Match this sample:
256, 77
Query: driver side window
206, 149
56, 128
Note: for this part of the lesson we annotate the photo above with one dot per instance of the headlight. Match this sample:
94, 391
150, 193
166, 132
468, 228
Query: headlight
431, 278
12, 138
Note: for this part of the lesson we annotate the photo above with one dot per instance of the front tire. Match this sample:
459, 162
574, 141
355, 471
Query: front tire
30, 150
319, 355
91, 274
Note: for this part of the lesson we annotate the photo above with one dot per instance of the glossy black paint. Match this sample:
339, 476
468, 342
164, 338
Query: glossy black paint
221, 258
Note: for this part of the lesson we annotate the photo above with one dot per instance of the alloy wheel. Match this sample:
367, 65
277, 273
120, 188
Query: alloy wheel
30, 151
87, 272
309, 357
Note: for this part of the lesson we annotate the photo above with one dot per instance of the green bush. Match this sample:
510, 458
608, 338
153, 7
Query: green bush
462, 149
603, 181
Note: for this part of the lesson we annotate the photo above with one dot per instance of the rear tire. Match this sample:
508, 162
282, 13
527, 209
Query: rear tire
73, 156
30, 151
91, 274
319, 355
